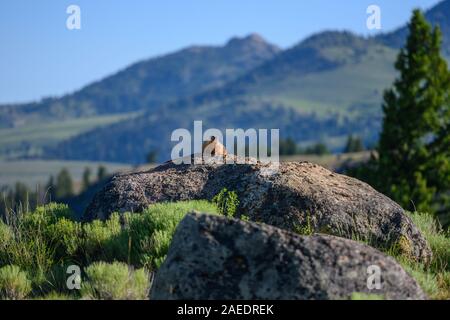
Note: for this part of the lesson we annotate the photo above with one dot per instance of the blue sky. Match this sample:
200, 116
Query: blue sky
40, 57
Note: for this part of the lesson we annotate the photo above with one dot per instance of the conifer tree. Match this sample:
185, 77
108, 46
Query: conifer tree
64, 184
414, 147
50, 189
86, 178
354, 144
101, 173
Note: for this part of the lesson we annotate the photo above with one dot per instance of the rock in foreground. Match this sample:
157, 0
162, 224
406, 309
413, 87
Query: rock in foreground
299, 194
213, 257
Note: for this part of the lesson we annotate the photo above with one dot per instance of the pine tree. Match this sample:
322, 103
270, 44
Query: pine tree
21, 197
414, 144
318, 149
64, 184
152, 157
354, 144
50, 189
101, 173
288, 147
86, 178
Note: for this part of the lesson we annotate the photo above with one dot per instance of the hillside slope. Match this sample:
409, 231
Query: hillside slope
326, 87
322, 89
437, 16
150, 83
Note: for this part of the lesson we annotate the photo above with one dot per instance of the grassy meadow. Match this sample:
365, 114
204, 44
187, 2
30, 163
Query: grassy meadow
38, 172
28, 140
118, 257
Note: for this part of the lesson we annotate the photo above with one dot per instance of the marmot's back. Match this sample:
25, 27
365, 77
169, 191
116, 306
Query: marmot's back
213, 148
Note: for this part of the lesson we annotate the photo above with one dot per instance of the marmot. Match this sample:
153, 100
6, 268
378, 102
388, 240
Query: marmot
213, 148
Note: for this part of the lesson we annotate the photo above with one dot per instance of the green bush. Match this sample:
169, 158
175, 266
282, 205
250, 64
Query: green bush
56, 280
227, 202
55, 211
14, 283
35, 241
151, 232
65, 236
32, 249
104, 240
29, 253
306, 229
140, 239
45, 241
42, 217
115, 282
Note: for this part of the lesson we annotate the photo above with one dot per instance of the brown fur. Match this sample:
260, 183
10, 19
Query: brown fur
218, 149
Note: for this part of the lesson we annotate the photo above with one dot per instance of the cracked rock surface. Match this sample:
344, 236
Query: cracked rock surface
212, 257
298, 194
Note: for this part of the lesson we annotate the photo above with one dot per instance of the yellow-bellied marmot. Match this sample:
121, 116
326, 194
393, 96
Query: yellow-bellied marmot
213, 148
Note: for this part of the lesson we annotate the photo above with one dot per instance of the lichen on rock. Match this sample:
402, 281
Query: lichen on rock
213, 257
298, 191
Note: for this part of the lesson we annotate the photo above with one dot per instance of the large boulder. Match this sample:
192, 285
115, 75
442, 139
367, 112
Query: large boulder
298, 194
212, 257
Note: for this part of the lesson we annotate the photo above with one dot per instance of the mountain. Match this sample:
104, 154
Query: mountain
437, 16
322, 89
327, 86
26, 129
151, 83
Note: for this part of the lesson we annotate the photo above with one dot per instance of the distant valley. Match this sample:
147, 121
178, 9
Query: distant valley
326, 87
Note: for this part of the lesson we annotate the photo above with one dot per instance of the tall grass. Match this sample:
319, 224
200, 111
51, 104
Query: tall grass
36, 248
44, 242
115, 281
151, 232
14, 283
30, 242
435, 277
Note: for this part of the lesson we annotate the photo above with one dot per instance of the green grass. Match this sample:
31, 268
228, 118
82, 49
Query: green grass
34, 172
55, 131
115, 281
438, 239
43, 243
365, 296
435, 277
338, 89
48, 133
119, 255
151, 232
14, 283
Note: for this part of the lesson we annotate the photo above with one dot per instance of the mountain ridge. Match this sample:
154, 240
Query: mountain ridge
150, 82
435, 15
243, 103
325, 87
